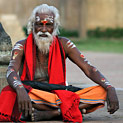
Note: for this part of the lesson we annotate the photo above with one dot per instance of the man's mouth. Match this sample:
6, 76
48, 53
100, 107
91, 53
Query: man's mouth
43, 35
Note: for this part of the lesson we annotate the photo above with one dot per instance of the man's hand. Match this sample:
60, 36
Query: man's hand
112, 100
24, 102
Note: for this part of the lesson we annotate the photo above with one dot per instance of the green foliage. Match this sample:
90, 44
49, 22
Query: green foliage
25, 30
68, 33
99, 45
106, 33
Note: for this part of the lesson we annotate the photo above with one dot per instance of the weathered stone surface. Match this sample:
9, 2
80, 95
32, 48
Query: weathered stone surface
5, 46
5, 40
104, 13
5, 57
12, 26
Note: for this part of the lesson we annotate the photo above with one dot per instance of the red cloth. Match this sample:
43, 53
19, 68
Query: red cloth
7, 102
30, 59
56, 62
69, 106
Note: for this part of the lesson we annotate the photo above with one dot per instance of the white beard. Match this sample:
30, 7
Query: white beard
43, 43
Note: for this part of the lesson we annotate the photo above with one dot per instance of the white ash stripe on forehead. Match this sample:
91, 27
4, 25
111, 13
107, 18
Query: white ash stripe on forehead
37, 18
50, 18
70, 44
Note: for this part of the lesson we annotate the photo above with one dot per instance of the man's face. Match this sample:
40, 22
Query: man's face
44, 23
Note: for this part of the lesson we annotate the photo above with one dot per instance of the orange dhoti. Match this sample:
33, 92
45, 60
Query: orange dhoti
90, 95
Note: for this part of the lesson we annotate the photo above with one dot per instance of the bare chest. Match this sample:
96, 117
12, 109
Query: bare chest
41, 71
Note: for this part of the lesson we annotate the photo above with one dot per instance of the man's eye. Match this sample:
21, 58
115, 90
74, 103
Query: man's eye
39, 24
49, 24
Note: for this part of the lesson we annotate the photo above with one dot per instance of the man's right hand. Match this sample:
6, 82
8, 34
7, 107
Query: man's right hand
24, 101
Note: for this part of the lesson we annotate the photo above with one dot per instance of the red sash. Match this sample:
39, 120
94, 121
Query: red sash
56, 62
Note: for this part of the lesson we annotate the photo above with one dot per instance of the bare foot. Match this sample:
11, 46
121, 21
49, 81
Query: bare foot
44, 115
84, 107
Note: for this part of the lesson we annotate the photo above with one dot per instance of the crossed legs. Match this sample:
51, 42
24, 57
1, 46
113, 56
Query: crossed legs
44, 112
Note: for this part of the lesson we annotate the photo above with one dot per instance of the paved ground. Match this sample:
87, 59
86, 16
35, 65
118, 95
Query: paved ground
111, 65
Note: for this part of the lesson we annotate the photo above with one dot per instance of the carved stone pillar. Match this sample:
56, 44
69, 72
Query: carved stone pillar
5, 46
5, 53
83, 18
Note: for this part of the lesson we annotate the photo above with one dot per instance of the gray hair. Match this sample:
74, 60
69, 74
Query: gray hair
44, 8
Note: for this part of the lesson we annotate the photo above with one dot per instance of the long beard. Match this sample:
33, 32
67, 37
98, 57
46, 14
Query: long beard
43, 43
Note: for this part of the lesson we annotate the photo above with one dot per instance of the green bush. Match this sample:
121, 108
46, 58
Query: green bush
68, 33
25, 30
106, 33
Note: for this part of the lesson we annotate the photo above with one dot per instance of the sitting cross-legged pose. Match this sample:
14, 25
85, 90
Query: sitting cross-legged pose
36, 75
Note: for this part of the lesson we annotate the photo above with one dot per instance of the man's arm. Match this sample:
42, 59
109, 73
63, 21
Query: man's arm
91, 72
14, 81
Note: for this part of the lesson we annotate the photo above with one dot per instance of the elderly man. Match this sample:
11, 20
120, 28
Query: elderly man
40, 59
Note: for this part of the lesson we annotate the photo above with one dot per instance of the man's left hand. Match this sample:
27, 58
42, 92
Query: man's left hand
112, 100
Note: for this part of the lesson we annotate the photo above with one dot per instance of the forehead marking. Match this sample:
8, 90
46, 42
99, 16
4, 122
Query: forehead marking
47, 18
37, 18
50, 18
44, 21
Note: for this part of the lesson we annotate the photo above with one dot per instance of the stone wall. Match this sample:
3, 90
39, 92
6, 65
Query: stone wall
12, 26
105, 13
22, 8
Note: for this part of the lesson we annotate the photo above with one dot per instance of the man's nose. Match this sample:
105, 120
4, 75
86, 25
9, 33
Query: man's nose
44, 29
